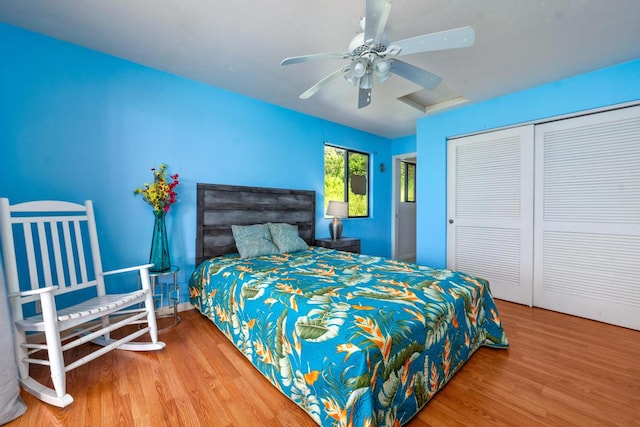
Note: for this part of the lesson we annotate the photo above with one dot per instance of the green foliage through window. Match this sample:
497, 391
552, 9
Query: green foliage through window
407, 182
354, 165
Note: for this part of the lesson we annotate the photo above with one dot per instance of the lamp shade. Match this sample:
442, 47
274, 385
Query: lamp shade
338, 209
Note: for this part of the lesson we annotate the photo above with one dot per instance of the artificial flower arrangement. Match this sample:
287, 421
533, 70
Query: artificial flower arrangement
160, 194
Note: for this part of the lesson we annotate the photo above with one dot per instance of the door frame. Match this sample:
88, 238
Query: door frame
395, 196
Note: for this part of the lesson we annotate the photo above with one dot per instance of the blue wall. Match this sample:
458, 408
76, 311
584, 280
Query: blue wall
403, 145
609, 86
76, 124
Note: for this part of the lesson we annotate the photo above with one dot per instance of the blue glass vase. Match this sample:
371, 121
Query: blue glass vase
159, 255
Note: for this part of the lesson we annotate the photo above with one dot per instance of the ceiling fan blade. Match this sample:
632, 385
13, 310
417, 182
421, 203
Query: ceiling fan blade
376, 16
364, 97
314, 57
450, 39
316, 87
417, 75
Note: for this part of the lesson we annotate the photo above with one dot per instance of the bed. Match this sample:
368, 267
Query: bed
354, 340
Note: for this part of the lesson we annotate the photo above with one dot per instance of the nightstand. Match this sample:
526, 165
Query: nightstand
172, 292
347, 244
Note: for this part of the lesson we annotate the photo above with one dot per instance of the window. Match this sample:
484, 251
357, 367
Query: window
346, 178
407, 182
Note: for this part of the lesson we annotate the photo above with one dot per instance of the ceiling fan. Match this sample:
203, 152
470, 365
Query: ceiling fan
371, 54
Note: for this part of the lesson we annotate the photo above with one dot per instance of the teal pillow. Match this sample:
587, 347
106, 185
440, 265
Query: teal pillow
253, 240
287, 238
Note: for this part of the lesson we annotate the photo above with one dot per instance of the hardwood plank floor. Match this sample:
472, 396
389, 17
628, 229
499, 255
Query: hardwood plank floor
559, 371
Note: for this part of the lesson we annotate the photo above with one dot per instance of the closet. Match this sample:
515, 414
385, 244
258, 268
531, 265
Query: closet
550, 213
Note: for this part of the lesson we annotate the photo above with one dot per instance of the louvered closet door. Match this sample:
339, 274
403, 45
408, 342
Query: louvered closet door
490, 210
587, 215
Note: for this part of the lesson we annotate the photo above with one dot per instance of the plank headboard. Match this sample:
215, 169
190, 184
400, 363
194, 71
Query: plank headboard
220, 206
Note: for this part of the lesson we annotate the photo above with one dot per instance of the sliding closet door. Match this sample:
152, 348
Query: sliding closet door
587, 216
490, 210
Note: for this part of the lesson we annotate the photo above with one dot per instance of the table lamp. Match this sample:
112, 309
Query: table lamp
337, 210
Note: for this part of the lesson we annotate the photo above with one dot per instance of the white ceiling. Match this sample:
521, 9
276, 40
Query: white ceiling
238, 45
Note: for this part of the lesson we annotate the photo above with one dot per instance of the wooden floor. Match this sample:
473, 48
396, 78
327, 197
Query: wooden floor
559, 371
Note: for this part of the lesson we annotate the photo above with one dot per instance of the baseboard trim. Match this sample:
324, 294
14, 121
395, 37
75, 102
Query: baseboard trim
183, 306
405, 257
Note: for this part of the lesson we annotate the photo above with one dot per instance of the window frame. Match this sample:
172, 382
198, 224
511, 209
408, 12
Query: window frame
347, 152
404, 190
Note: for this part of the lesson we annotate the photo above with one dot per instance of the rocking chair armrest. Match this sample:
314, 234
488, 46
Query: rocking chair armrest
125, 270
38, 291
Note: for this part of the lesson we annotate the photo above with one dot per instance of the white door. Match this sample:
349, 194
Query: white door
587, 216
490, 210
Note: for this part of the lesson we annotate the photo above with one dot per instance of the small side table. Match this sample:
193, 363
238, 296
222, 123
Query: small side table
347, 244
173, 295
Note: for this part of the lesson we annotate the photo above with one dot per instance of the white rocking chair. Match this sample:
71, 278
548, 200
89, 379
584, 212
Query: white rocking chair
51, 254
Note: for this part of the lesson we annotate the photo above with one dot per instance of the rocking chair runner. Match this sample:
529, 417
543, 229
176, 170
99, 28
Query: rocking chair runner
51, 253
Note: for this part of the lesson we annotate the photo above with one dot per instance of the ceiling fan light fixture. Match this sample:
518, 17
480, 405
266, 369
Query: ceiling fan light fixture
359, 68
383, 78
350, 76
381, 68
366, 81
371, 53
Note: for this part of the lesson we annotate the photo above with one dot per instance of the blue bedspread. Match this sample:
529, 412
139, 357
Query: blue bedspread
354, 340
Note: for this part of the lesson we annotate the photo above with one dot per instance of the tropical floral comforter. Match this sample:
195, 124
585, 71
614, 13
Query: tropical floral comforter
354, 340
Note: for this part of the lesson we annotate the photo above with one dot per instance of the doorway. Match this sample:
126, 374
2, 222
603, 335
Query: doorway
403, 224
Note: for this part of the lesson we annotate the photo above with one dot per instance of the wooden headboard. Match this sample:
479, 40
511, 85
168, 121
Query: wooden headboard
220, 206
